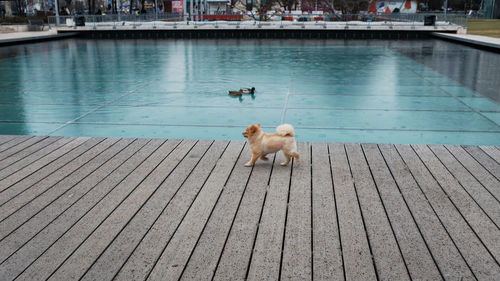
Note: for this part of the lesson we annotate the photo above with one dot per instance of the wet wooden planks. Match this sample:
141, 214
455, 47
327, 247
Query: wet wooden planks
137, 209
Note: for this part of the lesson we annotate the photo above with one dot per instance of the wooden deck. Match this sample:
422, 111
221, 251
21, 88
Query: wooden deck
135, 209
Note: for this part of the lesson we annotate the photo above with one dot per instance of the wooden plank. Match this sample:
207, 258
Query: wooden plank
415, 252
13, 142
15, 167
86, 254
203, 261
41, 202
486, 161
327, 252
70, 229
266, 257
58, 258
183, 179
68, 209
448, 258
143, 258
39, 169
479, 260
31, 153
386, 253
174, 257
6, 138
234, 262
358, 261
480, 173
17, 144
473, 188
492, 152
297, 248
20, 145
61, 177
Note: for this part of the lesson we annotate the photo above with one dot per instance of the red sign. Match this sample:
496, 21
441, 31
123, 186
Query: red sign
178, 6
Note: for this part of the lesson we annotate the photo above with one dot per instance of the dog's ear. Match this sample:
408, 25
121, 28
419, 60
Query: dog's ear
258, 125
252, 129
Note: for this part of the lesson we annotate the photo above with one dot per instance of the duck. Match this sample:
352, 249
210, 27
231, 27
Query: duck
248, 90
235, 93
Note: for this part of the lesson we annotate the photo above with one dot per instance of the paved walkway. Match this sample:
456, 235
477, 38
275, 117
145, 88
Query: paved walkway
134, 209
25, 37
484, 41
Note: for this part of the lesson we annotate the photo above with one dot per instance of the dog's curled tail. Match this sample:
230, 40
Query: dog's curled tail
285, 130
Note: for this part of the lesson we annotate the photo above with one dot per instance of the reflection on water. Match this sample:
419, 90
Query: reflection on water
331, 90
473, 68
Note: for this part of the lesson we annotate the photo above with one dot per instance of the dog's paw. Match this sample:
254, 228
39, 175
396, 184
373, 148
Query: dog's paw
284, 164
248, 164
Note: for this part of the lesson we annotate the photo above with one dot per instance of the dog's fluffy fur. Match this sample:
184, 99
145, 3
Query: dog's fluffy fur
262, 143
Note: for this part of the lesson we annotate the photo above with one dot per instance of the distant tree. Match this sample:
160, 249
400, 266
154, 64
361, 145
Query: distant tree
68, 3
143, 9
20, 7
114, 6
288, 5
91, 5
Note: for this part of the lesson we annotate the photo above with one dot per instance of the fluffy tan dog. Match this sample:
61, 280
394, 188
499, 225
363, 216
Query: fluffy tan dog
262, 143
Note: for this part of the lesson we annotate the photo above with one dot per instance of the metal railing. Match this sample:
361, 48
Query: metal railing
152, 20
112, 20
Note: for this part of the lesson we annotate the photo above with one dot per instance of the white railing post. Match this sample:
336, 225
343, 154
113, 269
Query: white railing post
57, 13
119, 8
184, 10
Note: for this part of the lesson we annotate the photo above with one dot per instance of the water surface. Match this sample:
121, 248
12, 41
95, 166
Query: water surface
380, 91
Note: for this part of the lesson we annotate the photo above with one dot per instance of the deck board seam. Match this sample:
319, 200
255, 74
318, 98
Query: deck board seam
61, 213
432, 207
412, 215
461, 215
19, 147
363, 216
283, 237
481, 162
459, 182
472, 174
30, 153
2, 177
76, 201
45, 165
13, 140
6, 139
385, 211
74, 157
49, 188
120, 204
88, 211
312, 208
213, 208
144, 203
173, 233
249, 263
66, 191
336, 209
485, 152
235, 214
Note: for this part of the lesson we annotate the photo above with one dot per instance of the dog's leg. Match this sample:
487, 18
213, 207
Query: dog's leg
297, 157
263, 157
252, 161
288, 158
